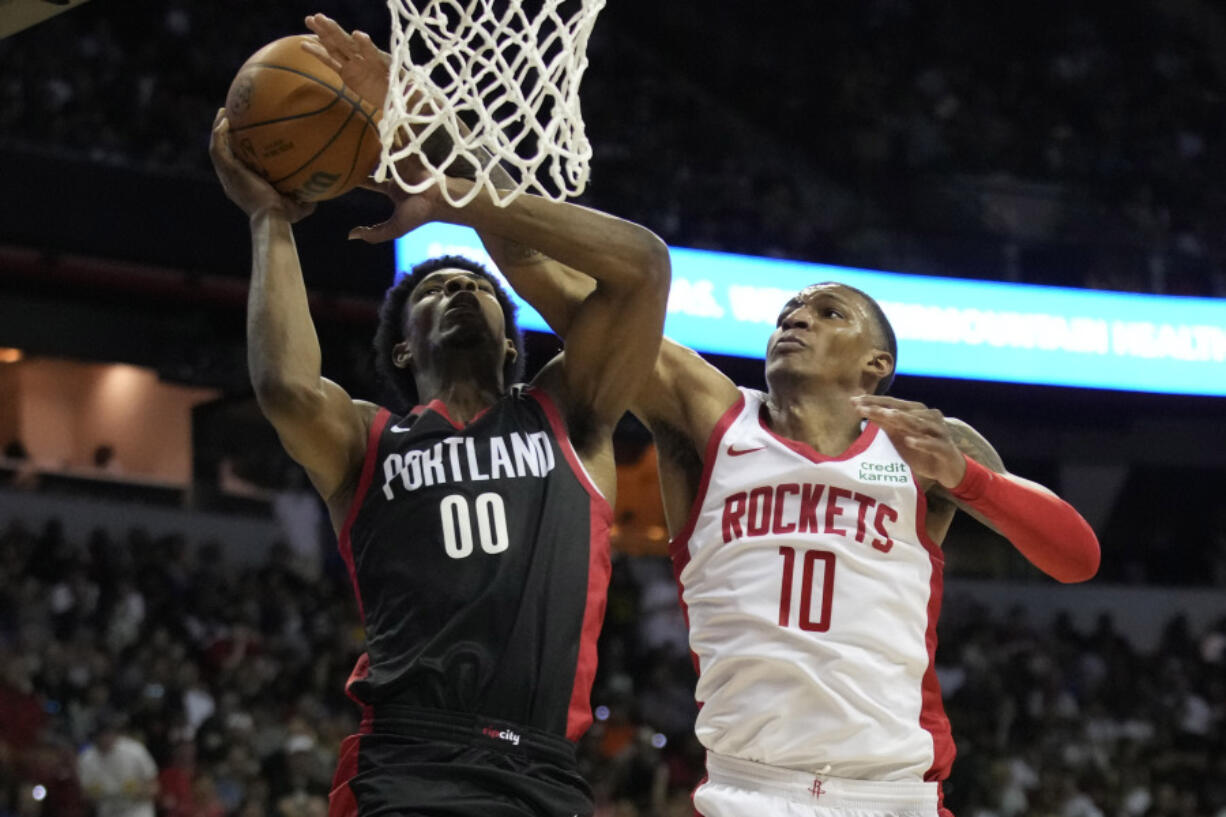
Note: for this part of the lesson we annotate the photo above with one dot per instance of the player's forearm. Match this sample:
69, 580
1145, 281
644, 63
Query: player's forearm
616, 253
283, 353
1043, 527
555, 290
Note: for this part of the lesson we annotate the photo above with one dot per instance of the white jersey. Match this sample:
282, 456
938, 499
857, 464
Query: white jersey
812, 592
109, 778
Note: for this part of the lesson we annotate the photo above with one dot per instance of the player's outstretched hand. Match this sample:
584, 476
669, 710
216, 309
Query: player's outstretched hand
411, 209
919, 433
244, 186
360, 63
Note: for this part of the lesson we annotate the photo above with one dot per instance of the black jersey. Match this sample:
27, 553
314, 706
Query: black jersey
480, 559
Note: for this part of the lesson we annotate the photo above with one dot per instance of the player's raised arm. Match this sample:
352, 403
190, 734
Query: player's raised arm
319, 425
683, 395
957, 461
554, 290
615, 330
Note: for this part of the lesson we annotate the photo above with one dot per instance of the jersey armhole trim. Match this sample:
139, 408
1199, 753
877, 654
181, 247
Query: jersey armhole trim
568, 451
682, 539
359, 496
933, 718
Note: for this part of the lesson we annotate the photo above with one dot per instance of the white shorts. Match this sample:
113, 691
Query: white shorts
742, 788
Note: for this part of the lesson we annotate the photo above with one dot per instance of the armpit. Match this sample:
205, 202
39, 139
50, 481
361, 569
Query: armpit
674, 447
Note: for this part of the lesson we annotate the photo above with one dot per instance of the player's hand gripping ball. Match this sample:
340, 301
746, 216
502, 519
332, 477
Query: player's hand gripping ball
293, 120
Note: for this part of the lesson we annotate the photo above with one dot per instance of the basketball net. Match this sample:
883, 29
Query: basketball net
494, 84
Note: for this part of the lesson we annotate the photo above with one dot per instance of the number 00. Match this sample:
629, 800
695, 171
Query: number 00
458, 528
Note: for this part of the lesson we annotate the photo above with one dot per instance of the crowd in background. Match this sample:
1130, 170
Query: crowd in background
231, 677
1051, 142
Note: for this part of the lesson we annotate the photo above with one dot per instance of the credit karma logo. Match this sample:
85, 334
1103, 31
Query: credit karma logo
891, 472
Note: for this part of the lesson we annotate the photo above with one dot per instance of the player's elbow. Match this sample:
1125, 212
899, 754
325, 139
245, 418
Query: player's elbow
279, 397
1083, 563
1083, 571
655, 263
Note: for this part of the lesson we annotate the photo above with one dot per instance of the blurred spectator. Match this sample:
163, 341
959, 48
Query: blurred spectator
117, 772
237, 694
175, 797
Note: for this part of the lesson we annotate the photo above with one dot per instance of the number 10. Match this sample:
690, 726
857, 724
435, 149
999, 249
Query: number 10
822, 624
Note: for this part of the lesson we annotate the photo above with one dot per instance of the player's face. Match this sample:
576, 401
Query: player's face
454, 307
824, 330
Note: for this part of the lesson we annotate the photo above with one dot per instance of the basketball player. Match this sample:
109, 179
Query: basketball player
806, 527
474, 524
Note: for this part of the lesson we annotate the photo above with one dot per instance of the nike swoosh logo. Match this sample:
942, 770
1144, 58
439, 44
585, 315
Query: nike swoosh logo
733, 451
396, 430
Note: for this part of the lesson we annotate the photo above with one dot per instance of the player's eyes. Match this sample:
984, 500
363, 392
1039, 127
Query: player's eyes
830, 312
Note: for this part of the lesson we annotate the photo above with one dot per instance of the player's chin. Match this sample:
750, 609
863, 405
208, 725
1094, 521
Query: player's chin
467, 333
780, 372
784, 360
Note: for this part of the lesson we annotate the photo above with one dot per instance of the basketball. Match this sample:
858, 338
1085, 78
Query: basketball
293, 121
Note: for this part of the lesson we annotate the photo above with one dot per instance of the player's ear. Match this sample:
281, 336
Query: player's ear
512, 353
401, 356
880, 364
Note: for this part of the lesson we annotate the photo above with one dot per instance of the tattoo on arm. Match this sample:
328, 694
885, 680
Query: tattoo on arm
517, 253
972, 443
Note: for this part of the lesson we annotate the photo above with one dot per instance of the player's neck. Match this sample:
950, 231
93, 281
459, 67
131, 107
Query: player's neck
825, 419
464, 398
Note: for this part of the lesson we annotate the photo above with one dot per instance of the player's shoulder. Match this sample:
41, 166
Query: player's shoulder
366, 410
682, 361
367, 414
972, 443
684, 378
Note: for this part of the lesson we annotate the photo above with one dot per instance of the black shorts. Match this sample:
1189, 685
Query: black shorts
411, 762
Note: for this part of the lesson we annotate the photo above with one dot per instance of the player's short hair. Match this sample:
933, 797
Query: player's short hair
888, 338
399, 381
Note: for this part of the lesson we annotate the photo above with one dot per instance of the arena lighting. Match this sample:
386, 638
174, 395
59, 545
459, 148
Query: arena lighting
727, 304
8, 355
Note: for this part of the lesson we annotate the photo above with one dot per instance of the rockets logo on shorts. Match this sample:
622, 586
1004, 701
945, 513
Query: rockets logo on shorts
812, 591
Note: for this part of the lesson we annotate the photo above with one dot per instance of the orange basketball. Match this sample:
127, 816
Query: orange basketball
293, 120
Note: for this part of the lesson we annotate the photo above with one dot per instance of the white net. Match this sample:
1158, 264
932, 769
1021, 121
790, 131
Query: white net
489, 86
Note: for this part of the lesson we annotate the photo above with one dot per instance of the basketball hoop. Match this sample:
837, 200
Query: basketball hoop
499, 79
